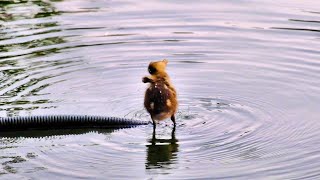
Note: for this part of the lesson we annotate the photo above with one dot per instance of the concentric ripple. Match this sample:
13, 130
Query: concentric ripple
247, 75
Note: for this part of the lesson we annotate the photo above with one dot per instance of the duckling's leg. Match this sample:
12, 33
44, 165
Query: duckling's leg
173, 136
173, 119
154, 123
153, 140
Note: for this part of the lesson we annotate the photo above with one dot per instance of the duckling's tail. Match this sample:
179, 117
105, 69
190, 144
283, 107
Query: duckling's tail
65, 122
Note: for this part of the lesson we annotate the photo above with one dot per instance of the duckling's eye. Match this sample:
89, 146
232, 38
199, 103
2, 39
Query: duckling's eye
152, 70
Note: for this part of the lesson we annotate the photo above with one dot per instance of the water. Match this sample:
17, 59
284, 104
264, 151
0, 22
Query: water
247, 75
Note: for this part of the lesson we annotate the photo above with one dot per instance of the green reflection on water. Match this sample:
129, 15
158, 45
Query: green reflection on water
6, 7
9, 11
21, 50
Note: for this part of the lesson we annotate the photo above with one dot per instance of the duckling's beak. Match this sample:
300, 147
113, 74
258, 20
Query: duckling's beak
165, 61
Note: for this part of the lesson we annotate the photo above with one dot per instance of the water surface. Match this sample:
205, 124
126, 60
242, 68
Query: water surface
247, 75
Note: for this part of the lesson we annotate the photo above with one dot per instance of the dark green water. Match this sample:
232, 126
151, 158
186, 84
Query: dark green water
247, 75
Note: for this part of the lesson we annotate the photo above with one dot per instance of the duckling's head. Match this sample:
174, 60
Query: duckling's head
158, 67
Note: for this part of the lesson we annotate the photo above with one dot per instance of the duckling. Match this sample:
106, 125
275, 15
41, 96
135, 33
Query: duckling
161, 97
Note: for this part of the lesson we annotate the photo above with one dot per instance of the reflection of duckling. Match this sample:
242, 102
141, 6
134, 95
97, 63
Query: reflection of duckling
161, 98
161, 151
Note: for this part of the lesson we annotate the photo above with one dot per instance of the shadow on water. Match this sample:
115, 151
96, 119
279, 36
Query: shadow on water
53, 133
161, 152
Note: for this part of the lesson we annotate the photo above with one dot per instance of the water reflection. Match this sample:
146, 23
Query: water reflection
11, 141
161, 152
7, 163
23, 45
243, 81
15, 34
9, 14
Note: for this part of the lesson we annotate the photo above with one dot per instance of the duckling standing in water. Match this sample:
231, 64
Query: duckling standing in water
160, 98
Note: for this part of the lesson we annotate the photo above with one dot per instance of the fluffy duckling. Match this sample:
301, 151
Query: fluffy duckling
160, 98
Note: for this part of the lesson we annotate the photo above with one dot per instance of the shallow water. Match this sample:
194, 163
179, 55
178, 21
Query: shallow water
247, 75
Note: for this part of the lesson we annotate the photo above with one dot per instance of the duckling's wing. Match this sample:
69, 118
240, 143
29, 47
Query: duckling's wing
156, 98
